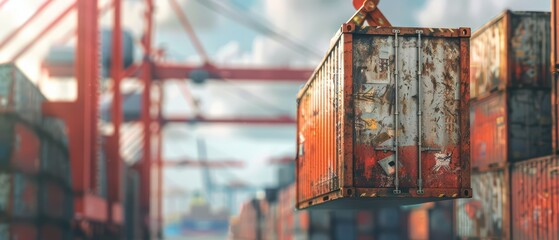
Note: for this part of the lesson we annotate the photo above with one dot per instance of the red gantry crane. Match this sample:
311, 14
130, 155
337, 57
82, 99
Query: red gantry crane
96, 217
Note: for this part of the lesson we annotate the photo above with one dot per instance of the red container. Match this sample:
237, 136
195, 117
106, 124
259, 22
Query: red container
510, 125
19, 146
250, 223
535, 199
13, 231
346, 123
554, 36
48, 232
55, 200
486, 215
18, 196
512, 51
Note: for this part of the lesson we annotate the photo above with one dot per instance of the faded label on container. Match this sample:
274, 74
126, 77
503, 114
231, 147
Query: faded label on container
384, 52
442, 161
389, 165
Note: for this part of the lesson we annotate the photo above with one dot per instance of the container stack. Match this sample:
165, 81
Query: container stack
35, 187
511, 125
268, 220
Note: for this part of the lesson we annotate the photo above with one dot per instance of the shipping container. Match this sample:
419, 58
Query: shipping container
431, 221
554, 36
55, 200
19, 96
441, 219
535, 199
510, 125
55, 161
250, 223
418, 224
18, 196
348, 109
19, 146
18, 231
51, 232
511, 51
486, 215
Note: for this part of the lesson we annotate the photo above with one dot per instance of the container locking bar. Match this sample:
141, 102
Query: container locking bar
419, 114
396, 114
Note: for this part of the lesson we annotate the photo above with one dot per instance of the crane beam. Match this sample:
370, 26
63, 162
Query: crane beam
281, 120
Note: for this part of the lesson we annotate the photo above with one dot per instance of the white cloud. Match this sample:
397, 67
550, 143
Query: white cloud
471, 13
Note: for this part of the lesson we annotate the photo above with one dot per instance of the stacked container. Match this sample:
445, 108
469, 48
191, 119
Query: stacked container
430, 221
511, 120
35, 187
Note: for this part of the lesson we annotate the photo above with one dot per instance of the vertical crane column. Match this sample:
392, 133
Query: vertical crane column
146, 120
80, 117
114, 161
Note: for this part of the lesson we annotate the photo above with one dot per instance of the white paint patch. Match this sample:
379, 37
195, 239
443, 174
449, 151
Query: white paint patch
443, 161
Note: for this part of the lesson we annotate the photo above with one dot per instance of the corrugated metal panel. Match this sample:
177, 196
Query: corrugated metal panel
18, 231
19, 95
554, 35
486, 215
319, 129
511, 51
55, 201
51, 231
555, 113
19, 146
530, 46
18, 195
510, 125
535, 199
346, 118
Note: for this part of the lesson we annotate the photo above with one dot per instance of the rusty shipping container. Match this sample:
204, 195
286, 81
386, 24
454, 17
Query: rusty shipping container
486, 215
349, 145
511, 51
535, 199
510, 125
554, 36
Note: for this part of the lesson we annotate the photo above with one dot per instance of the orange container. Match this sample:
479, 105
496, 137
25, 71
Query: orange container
535, 198
351, 153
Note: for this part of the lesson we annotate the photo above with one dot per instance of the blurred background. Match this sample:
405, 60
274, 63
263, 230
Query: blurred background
222, 103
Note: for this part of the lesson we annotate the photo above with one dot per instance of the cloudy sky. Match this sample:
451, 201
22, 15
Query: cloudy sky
231, 42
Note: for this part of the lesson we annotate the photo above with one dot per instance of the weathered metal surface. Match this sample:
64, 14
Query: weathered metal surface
486, 215
19, 146
18, 231
347, 113
511, 51
554, 36
320, 110
555, 113
535, 199
18, 95
18, 196
510, 125
55, 201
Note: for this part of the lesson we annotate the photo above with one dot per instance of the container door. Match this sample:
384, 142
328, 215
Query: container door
407, 112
